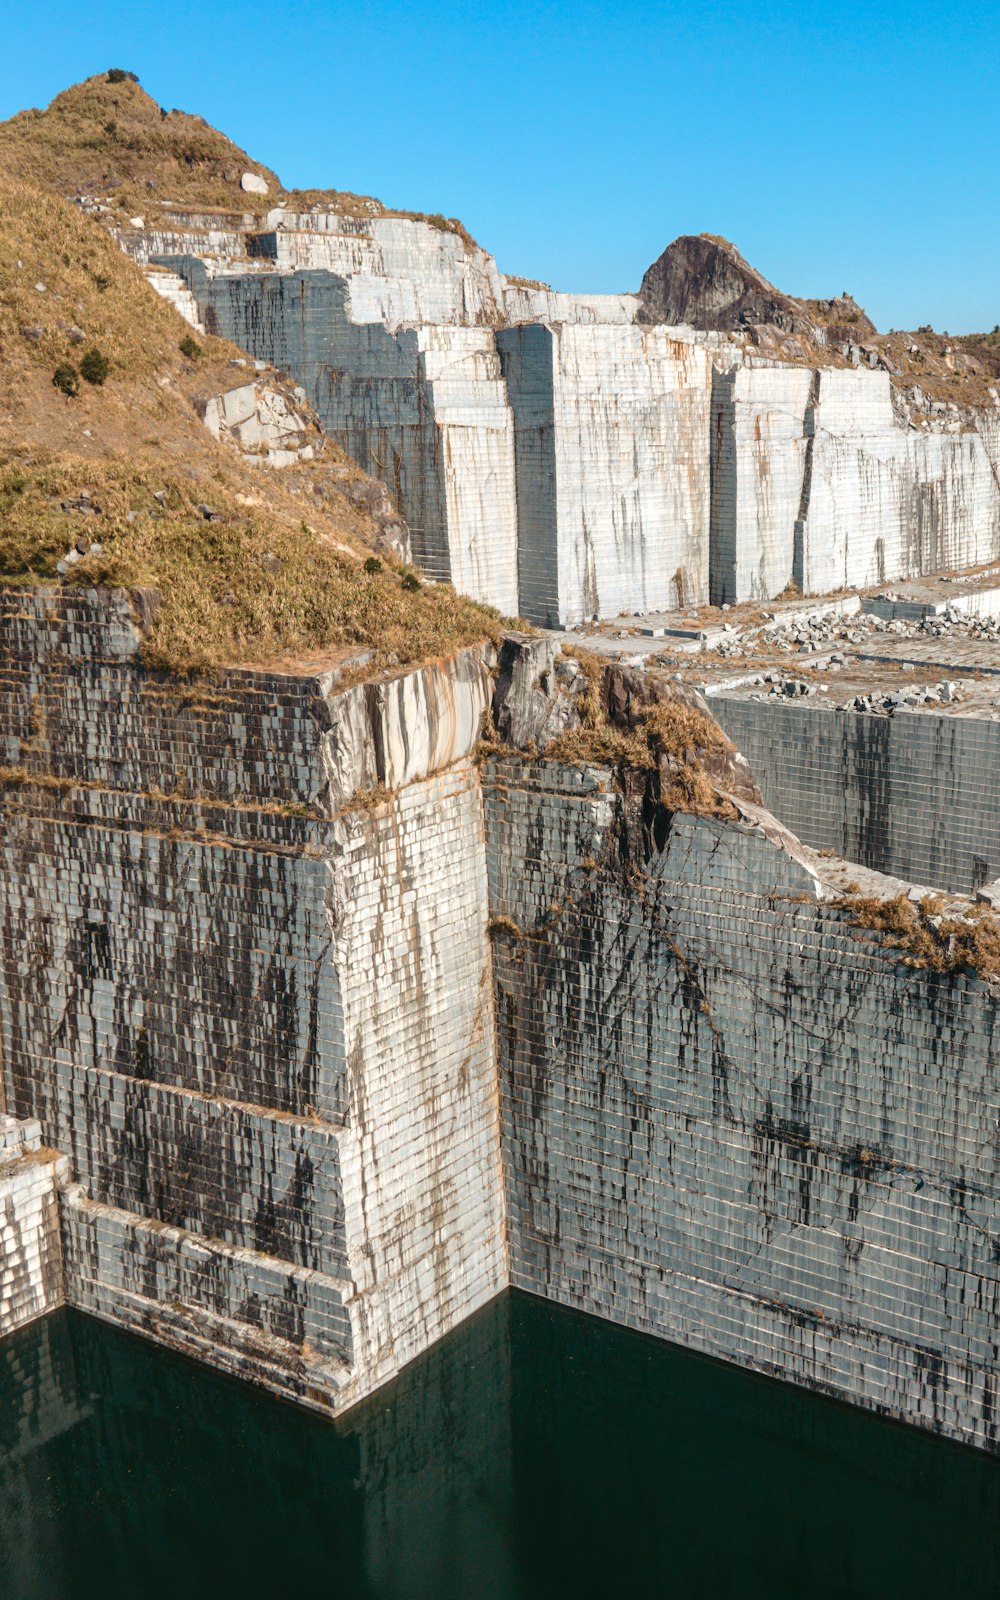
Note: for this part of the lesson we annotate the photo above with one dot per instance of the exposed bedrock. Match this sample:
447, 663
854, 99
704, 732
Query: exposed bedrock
733, 1120
759, 474
570, 456
304, 1063
882, 503
912, 794
815, 482
255, 1015
610, 431
703, 280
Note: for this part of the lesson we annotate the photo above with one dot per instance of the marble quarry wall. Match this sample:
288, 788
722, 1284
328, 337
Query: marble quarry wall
436, 372
610, 431
269, 1159
733, 1120
391, 327
561, 462
815, 482
307, 1058
759, 460
882, 502
423, 409
32, 1178
911, 795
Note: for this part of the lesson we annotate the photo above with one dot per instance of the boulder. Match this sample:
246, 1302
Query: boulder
251, 184
537, 693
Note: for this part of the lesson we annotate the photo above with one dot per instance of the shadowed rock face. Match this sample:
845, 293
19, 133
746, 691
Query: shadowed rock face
704, 281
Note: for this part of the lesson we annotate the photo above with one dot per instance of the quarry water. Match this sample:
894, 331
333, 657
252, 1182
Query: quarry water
536, 1453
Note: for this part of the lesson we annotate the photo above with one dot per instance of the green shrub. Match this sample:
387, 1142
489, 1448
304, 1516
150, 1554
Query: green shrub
66, 378
189, 347
94, 366
410, 582
373, 564
119, 75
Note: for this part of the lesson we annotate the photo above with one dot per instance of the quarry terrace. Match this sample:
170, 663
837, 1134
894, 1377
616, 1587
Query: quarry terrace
629, 951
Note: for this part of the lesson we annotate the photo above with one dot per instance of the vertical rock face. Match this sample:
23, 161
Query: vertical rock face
814, 480
422, 409
420, 1153
31, 1178
341, 1040
391, 326
611, 428
733, 1121
550, 452
910, 795
759, 461
882, 503
256, 1021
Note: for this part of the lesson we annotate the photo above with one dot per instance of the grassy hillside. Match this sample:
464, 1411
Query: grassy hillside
110, 139
100, 137
279, 572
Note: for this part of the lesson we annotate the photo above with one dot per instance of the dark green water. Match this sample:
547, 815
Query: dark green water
536, 1453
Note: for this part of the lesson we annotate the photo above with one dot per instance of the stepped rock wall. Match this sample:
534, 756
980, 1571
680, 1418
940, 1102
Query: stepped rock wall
732, 1120
911, 795
319, 1075
279, 1164
422, 409
394, 325
392, 332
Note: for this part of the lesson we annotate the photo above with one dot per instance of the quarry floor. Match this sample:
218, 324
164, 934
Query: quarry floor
875, 643
535, 1453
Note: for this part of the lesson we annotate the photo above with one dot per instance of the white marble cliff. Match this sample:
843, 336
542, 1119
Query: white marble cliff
572, 457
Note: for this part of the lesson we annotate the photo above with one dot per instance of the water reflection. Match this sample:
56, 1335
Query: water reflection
534, 1454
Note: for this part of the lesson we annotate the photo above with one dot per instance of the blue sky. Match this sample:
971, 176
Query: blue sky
840, 148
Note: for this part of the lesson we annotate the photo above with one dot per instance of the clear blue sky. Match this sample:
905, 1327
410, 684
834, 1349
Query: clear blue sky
854, 147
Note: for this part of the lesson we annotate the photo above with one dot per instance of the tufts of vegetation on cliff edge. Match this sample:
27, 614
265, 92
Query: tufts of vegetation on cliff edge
247, 585
927, 940
677, 740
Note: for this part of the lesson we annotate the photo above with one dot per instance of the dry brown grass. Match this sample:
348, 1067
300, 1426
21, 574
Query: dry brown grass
113, 141
106, 138
947, 944
87, 285
671, 739
254, 587
278, 577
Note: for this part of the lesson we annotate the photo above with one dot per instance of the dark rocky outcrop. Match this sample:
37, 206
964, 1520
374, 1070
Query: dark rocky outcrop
702, 279
538, 690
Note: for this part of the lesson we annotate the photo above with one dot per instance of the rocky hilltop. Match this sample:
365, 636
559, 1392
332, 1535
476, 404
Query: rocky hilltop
704, 281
